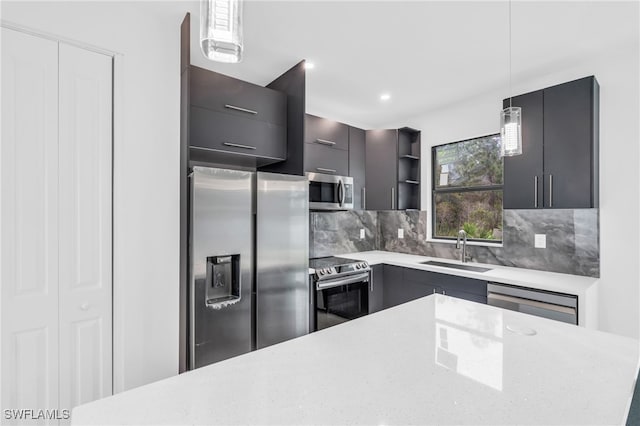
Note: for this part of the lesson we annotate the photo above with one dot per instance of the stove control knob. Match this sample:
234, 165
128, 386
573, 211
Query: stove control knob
363, 265
357, 266
320, 272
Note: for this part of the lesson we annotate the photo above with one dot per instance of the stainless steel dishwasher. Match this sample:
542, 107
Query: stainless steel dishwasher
546, 304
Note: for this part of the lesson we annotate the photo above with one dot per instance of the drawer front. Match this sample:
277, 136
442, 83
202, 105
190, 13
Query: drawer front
228, 133
221, 93
321, 131
323, 159
447, 282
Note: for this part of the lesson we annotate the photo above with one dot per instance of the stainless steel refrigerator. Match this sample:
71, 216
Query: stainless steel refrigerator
248, 262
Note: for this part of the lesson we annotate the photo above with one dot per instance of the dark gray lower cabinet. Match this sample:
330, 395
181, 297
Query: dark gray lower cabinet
376, 287
405, 284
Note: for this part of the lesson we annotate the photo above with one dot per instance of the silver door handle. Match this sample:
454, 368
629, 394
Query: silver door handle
371, 280
237, 145
237, 108
322, 169
393, 198
364, 198
550, 190
535, 191
325, 142
364, 277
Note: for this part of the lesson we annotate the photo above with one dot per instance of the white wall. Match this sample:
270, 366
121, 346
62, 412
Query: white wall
617, 71
146, 191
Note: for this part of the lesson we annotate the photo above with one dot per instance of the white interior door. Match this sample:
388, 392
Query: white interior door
85, 225
29, 223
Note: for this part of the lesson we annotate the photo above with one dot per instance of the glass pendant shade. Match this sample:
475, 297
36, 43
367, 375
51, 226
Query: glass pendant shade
511, 131
221, 30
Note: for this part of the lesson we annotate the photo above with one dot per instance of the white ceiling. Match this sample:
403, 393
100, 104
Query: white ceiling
427, 55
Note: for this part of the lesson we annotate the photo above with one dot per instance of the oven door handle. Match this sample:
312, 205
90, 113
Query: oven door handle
364, 277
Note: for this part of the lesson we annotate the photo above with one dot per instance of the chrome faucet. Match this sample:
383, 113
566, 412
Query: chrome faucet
462, 234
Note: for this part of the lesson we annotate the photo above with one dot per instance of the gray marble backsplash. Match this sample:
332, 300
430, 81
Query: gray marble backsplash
332, 233
573, 245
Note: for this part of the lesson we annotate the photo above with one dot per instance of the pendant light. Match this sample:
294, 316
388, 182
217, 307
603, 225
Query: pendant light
221, 30
510, 118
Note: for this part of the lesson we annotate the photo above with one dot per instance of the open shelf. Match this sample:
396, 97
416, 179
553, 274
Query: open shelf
408, 168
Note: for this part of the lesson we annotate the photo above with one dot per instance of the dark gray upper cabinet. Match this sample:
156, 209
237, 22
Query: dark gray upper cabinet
571, 144
326, 146
558, 167
236, 119
323, 159
357, 165
381, 169
222, 132
523, 174
325, 132
218, 92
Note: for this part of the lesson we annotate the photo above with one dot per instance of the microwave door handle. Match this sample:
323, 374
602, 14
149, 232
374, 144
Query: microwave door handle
341, 193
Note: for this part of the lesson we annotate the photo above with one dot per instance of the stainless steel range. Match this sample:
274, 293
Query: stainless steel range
341, 290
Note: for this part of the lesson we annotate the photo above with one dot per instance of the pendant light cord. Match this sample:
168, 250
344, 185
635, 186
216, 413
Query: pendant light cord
510, 54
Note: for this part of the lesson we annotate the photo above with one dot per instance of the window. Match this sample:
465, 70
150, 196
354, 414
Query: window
467, 189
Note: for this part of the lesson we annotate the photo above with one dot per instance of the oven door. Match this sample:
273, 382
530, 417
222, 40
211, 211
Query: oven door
329, 192
341, 300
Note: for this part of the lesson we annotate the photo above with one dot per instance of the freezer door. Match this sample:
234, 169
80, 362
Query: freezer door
282, 258
221, 264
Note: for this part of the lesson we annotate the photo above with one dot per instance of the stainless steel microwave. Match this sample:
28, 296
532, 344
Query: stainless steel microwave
330, 192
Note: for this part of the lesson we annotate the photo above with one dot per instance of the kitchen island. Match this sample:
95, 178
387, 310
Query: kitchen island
435, 360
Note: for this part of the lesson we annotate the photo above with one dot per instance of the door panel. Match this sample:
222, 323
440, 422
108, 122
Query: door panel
85, 226
568, 144
382, 169
323, 159
324, 131
221, 226
357, 165
29, 222
521, 171
282, 256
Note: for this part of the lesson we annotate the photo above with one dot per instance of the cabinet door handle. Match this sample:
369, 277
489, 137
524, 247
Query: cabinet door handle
535, 191
364, 198
393, 198
237, 145
550, 190
322, 169
325, 142
237, 108
371, 280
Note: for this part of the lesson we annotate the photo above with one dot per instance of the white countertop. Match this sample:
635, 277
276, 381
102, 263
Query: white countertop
551, 281
435, 360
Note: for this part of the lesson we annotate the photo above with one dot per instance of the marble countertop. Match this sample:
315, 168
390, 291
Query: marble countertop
435, 360
551, 281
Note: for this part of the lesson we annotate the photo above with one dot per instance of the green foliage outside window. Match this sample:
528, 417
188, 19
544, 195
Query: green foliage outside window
468, 189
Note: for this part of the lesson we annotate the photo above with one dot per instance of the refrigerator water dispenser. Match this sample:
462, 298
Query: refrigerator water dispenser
223, 281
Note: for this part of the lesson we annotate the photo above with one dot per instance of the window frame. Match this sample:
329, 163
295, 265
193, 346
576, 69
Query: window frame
461, 189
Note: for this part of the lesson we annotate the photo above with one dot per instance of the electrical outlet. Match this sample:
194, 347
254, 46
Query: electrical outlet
540, 241
362, 234
400, 233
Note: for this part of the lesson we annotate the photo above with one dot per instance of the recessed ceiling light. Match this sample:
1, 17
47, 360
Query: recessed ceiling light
309, 65
385, 97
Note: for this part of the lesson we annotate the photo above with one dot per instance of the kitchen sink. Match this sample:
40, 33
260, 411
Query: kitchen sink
456, 266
